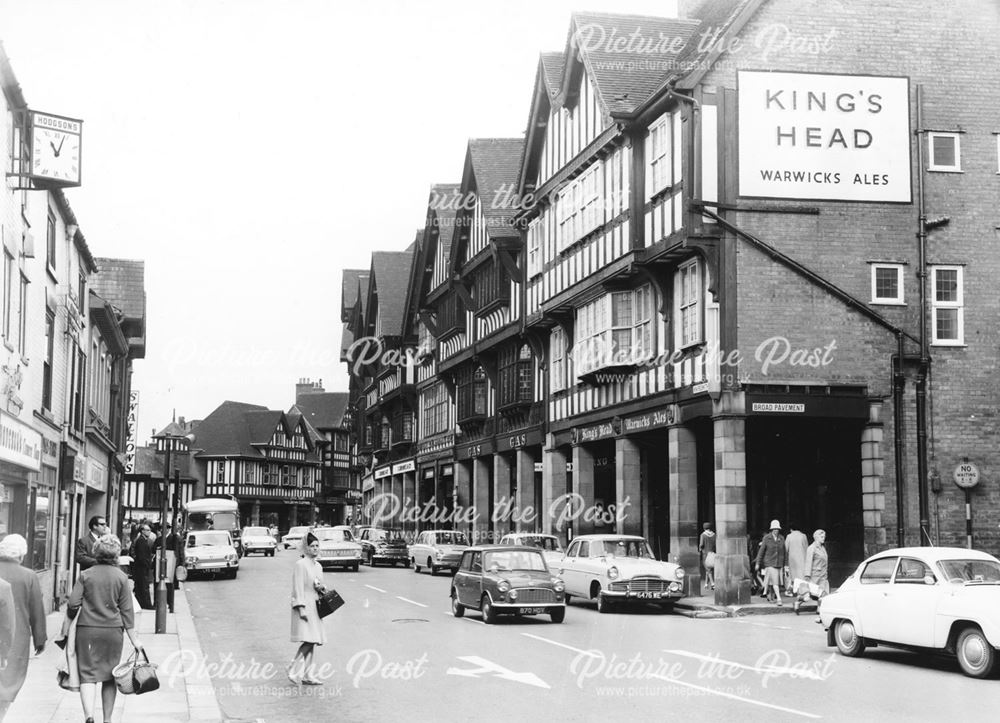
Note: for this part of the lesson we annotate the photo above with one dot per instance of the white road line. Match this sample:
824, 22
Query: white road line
412, 602
374, 588
668, 679
563, 645
769, 669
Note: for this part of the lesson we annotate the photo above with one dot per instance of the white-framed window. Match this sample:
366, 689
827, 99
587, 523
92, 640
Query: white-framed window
659, 155
887, 284
613, 330
944, 151
580, 206
566, 216
688, 289
947, 306
557, 353
8, 294
536, 242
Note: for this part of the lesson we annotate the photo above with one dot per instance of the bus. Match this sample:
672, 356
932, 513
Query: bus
213, 513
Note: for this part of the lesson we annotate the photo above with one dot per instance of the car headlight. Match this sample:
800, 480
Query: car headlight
438, 554
231, 556
503, 586
512, 595
558, 585
612, 573
192, 558
679, 573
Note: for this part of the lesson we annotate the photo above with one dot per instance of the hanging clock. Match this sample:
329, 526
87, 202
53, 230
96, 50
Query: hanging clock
56, 144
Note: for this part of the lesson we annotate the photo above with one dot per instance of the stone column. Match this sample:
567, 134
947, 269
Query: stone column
396, 483
409, 499
732, 567
481, 495
628, 496
872, 469
463, 497
553, 488
683, 457
527, 516
502, 499
583, 483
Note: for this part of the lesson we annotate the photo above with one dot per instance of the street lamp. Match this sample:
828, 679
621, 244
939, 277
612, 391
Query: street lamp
166, 442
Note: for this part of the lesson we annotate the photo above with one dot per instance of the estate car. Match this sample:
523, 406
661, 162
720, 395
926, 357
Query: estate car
506, 579
258, 539
438, 549
210, 551
550, 546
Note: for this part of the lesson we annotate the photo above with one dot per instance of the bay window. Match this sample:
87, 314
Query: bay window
614, 330
516, 376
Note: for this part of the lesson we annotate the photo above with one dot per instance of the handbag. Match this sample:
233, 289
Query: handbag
328, 602
136, 676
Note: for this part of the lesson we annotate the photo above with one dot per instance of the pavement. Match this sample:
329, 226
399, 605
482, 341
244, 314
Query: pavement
185, 693
704, 607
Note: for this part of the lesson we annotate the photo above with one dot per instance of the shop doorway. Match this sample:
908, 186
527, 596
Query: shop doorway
808, 472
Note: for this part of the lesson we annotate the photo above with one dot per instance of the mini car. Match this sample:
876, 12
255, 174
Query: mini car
211, 551
548, 544
614, 569
258, 539
925, 599
382, 545
506, 580
337, 547
294, 536
437, 549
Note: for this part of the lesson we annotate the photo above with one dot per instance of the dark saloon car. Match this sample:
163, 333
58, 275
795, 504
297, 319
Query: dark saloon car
506, 579
381, 545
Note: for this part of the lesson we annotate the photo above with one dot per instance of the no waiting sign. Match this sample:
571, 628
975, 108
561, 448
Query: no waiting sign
966, 475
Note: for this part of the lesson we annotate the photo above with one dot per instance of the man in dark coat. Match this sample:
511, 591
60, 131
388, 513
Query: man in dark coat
142, 565
85, 545
29, 615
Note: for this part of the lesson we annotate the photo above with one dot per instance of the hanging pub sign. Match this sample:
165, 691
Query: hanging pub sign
55, 145
813, 136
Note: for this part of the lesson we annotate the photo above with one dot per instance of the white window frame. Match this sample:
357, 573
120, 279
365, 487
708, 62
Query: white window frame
897, 300
536, 235
595, 332
557, 367
931, 166
958, 305
997, 136
690, 300
660, 161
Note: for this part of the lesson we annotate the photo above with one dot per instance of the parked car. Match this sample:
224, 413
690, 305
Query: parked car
437, 549
384, 545
337, 547
925, 599
506, 579
550, 546
294, 536
210, 551
618, 569
258, 539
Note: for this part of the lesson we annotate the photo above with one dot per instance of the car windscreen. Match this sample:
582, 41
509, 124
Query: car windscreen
515, 560
333, 535
298, 531
211, 521
624, 548
451, 538
962, 571
388, 535
541, 542
209, 539
255, 531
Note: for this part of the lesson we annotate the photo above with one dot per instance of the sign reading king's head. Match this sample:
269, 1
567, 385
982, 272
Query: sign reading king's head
811, 136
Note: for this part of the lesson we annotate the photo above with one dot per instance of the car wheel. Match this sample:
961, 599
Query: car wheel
354, 567
558, 615
489, 612
406, 563
848, 641
416, 567
454, 571
457, 608
604, 604
431, 567
568, 598
975, 654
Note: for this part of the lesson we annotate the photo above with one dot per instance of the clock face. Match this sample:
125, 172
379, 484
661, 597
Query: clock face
55, 149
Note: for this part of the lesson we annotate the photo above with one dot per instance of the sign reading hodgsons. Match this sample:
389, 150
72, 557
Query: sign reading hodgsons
811, 136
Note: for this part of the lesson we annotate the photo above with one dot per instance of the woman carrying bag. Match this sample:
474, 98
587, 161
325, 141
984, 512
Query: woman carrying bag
307, 625
101, 605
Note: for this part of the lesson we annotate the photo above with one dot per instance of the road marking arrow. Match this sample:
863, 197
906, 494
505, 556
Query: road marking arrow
484, 666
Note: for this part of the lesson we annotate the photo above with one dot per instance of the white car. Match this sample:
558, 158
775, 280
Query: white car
549, 545
258, 539
939, 599
337, 547
618, 568
294, 536
211, 551
438, 549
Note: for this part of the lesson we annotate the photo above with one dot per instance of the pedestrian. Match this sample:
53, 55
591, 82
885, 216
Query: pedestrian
102, 602
171, 548
706, 548
85, 545
771, 557
307, 625
817, 571
29, 613
795, 553
142, 565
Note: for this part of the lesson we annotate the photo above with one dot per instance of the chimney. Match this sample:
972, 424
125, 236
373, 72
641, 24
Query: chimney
303, 387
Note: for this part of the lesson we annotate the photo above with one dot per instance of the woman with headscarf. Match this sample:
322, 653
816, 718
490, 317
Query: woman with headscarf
29, 617
307, 625
102, 601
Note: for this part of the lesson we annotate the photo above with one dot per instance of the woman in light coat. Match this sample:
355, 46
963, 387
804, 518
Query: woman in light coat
29, 615
307, 625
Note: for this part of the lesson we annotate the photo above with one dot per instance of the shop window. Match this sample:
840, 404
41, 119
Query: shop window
41, 506
944, 150
887, 284
947, 306
688, 289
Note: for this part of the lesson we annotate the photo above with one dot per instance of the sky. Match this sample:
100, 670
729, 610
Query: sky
250, 150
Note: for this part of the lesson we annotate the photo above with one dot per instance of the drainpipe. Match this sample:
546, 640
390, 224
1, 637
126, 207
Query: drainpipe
898, 385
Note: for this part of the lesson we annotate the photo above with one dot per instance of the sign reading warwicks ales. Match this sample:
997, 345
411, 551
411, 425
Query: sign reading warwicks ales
812, 136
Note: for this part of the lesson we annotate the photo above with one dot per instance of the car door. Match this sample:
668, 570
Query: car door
913, 603
873, 599
463, 578
474, 580
571, 572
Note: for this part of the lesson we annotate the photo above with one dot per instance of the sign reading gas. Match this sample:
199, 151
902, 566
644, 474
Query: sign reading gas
812, 136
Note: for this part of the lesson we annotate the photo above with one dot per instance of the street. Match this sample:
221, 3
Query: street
395, 649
